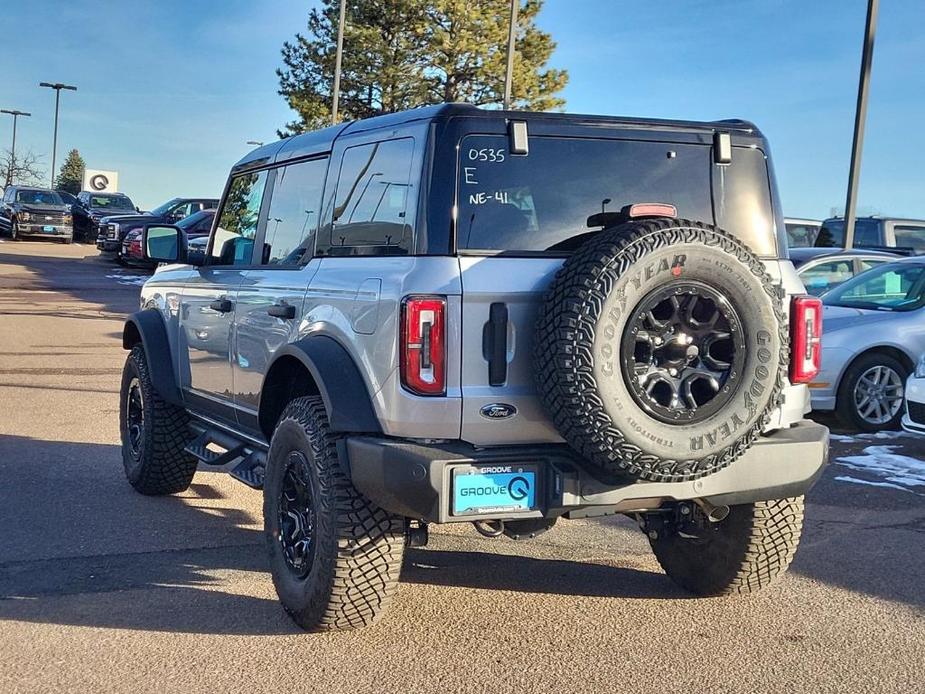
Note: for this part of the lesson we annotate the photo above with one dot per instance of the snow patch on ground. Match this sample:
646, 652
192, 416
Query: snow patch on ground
128, 280
883, 468
875, 436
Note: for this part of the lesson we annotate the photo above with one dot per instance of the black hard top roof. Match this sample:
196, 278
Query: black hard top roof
322, 140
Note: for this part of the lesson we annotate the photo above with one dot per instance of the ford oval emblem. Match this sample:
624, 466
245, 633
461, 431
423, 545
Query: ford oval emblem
498, 410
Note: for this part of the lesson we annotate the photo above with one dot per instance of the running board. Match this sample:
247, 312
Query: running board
251, 460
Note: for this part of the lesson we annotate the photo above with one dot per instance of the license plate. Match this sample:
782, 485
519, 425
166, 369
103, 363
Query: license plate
49, 227
494, 489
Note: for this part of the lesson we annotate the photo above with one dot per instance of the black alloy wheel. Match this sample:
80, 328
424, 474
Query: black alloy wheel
683, 352
297, 515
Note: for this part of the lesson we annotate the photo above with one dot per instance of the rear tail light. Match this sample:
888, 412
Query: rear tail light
805, 338
423, 344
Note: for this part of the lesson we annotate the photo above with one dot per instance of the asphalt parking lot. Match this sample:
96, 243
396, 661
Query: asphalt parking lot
102, 589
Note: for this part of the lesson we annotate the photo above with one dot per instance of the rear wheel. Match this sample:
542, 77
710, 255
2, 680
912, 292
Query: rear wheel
742, 553
335, 556
870, 397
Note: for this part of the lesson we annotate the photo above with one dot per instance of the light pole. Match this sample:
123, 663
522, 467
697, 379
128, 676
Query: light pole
335, 97
57, 86
509, 73
15, 114
860, 118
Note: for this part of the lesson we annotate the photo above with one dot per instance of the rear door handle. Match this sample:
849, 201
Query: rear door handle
222, 305
284, 311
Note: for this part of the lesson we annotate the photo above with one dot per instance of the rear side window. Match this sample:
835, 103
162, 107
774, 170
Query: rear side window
370, 206
542, 201
743, 200
832, 233
233, 241
294, 211
910, 236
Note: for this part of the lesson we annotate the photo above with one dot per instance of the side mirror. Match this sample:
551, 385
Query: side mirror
162, 243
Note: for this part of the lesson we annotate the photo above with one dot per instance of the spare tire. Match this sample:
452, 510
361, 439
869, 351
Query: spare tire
661, 350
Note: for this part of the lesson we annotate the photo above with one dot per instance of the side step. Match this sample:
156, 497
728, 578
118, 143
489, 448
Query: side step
198, 448
252, 470
252, 466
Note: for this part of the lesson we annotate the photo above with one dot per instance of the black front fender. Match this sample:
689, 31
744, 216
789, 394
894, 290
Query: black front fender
148, 327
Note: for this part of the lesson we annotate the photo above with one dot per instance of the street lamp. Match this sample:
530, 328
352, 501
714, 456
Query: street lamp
57, 86
15, 114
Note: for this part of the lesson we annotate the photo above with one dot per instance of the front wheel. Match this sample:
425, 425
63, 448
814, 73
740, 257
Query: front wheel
335, 556
742, 553
870, 397
154, 433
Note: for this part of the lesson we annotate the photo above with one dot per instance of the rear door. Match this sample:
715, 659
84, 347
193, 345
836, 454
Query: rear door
269, 303
518, 217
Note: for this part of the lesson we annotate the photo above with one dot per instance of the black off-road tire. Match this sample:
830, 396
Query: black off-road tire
356, 548
590, 308
159, 465
847, 411
743, 553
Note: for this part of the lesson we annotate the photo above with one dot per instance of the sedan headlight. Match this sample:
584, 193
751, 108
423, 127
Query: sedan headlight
25, 216
920, 367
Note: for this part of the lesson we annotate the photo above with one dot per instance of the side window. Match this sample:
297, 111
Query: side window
233, 240
910, 236
294, 211
868, 263
821, 278
370, 205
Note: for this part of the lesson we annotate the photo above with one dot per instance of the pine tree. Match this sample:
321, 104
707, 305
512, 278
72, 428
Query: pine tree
400, 54
71, 175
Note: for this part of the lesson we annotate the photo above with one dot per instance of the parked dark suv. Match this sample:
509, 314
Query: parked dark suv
37, 212
458, 315
112, 229
91, 208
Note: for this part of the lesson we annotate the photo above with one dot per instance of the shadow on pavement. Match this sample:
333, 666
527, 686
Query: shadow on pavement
98, 282
78, 543
527, 575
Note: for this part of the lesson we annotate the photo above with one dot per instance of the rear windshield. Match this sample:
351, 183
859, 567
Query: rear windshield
541, 201
832, 233
38, 197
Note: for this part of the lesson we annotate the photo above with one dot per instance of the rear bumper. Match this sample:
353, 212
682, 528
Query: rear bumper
414, 480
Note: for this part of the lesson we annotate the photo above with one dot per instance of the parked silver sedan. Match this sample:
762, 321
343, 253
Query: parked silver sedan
873, 333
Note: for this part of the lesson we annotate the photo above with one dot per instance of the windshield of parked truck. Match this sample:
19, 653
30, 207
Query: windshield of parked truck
38, 197
111, 202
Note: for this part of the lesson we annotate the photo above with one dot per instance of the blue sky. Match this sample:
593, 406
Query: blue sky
169, 91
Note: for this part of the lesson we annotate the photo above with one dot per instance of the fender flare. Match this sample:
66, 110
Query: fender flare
340, 384
148, 327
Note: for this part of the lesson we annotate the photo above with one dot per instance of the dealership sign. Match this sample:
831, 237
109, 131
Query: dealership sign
98, 181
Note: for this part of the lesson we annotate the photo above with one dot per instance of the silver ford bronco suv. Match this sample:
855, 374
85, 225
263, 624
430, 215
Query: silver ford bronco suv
457, 315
